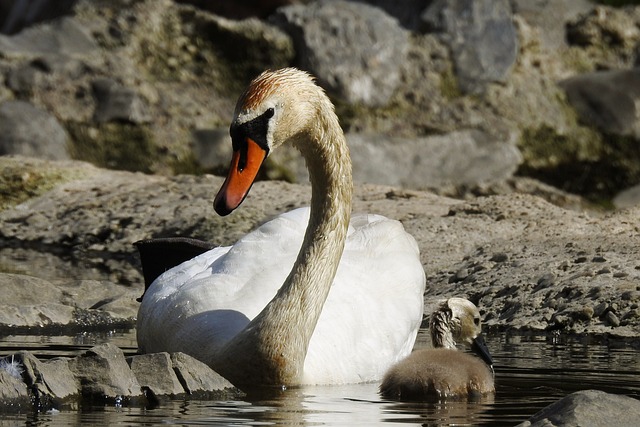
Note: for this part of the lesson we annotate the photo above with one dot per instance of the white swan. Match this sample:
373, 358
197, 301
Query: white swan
444, 372
252, 317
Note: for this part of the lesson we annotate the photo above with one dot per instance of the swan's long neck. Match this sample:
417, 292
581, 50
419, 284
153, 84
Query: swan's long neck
273, 347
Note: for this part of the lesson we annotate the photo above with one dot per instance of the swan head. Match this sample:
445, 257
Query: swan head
277, 107
457, 320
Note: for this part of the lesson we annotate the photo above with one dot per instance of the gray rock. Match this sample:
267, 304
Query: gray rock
31, 131
407, 12
51, 381
113, 302
550, 18
481, 36
462, 158
14, 396
627, 198
196, 377
34, 303
593, 408
117, 103
103, 373
605, 27
64, 36
212, 148
155, 372
353, 49
16, 14
22, 79
606, 100
466, 157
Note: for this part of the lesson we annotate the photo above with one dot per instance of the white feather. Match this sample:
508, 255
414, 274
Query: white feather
369, 321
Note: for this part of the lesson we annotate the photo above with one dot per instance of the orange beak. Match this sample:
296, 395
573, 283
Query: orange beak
245, 165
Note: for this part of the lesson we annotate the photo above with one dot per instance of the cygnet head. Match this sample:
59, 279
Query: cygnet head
457, 320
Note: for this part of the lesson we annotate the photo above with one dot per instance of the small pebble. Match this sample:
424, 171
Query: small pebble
546, 280
631, 315
600, 309
612, 319
585, 314
499, 257
460, 275
626, 296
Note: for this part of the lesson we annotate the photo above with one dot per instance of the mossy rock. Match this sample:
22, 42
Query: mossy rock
193, 45
583, 162
23, 178
121, 146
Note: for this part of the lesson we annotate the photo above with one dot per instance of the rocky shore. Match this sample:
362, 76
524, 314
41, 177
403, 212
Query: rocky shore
515, 168
531, 266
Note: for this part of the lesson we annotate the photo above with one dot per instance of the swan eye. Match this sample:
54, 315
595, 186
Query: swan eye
476, 321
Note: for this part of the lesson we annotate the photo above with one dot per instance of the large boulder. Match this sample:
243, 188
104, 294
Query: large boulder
31, 131
32, 302
481, 36
606, 100
457, 159
550, 18
353, 49
64, 36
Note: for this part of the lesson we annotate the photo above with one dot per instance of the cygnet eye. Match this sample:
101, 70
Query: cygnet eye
476, 321
269, 113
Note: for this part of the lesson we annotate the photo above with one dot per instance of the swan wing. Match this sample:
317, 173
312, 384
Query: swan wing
199, 305
369, 321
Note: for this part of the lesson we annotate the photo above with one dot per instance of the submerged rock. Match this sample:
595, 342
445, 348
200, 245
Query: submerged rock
155, 372
197, 378
14, 395
592, 408
102, 374
51, 382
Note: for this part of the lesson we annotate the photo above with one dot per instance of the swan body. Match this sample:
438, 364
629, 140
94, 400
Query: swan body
314, 296
444, 372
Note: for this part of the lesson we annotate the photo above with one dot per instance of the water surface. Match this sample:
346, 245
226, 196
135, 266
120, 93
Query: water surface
531, 372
